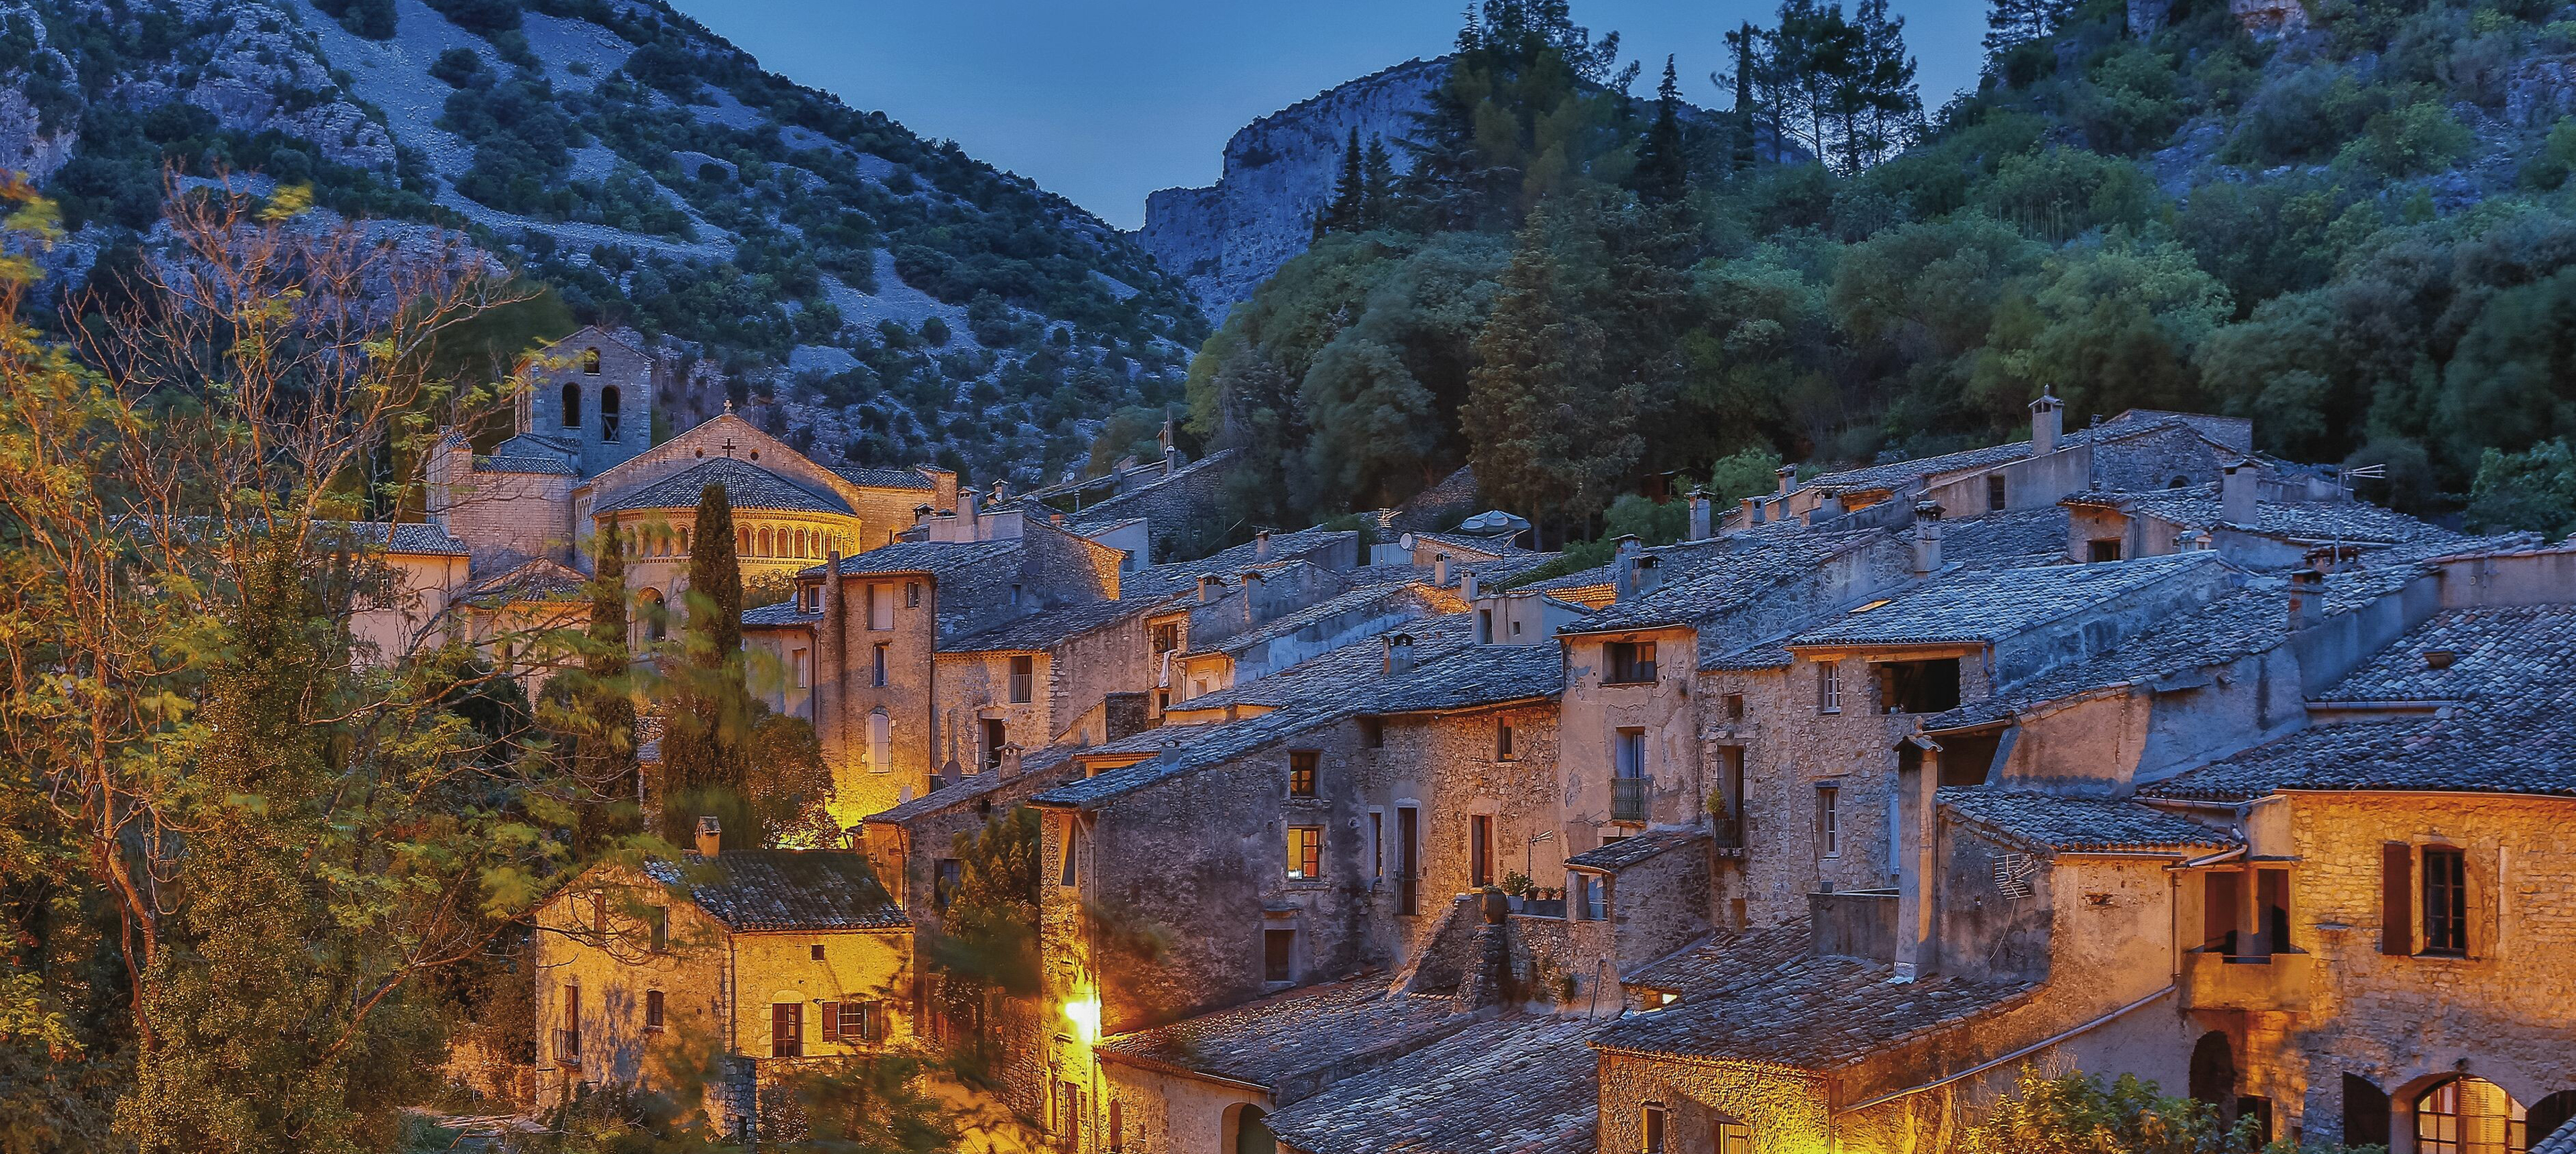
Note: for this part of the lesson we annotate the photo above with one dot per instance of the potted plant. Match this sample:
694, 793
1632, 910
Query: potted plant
1517, 888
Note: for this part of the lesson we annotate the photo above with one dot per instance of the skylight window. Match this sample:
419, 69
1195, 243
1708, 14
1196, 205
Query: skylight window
1872, 605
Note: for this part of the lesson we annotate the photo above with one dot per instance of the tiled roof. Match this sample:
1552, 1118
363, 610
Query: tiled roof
1275, 1040
1457, 677
1041, 630
780, 613
1705, 965
2052, 824
1810, 1013
1036, 764
867, 478
1611, 857
406, 537
2496, 687
529, 453
1336, 670
1986, 606
1896, 474
747, 486
1404, 598
1720, 582
2238, 624
775, 889
538, 579
2012, 539
1514, 1085
1159, 581
2560, 1141
2199, 507
938, 558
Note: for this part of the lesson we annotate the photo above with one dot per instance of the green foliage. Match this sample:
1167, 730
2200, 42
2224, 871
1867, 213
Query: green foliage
373, 19
2077, 1114
711, 714
2534, 489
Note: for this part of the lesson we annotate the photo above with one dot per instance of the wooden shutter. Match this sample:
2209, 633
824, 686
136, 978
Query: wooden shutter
832, 1022
2396, 898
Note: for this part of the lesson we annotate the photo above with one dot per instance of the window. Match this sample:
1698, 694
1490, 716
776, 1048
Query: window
1301, 772
1015, 596
831, 1023
1628, 663
1503, 741
880, 608
2446, 902
1919, 686
994, 740
608, 413
571, 407
1167, 637
1628, 780
852, 1023
1829, 687
1071, 875
1480, 850
912, 594
799, 662
1484, 627
1377, 844
1023, 679
1408, 861
1735, 707
1652, 1126
2102, 549
1629, 754
653, 1009
1733, 1137
880, 742
1829, 834
877, 673
2469, 1115
1373, 732
1305, 852
1995, 491
945, 876
1278, 955
787, 1029
2218, 890
818, 951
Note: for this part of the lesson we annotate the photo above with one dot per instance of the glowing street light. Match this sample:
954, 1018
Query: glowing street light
1084, 1013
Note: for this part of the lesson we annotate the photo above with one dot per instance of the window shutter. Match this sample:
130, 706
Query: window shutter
2396, 898
832, 1022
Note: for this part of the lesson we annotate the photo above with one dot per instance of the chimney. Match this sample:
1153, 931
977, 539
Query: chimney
2236, 493
2047, 421
1918, 778
1440, 570
710, 836
831, 642
968, 514
1056, 519
1927, 538
1752, 512
1650, 574
1211, 587
1399, 654
2307, 599
2197, 540
921, 514
1009, 763
1001, 492
1788, 479
1623, 568
1260, 545
1700, 528
1467, 584
1251, 597
1171, 460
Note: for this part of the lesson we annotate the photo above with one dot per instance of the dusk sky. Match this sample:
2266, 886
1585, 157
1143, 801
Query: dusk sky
1104, 101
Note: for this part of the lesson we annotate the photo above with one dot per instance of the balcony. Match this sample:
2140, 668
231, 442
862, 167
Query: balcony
1628, 798
568, 1048
2213, 980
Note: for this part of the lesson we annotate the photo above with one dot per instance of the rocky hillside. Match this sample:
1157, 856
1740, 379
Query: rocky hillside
872, 295
1227, 238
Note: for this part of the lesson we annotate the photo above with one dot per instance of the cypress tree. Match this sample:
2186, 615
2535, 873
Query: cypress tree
604, 745
710, 716
1663, 171
1743, 41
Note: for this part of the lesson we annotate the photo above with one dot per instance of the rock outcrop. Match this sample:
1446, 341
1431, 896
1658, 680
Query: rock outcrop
1228, 237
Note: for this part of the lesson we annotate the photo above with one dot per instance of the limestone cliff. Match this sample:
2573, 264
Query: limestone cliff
1226, 238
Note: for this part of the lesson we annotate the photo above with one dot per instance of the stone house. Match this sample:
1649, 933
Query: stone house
732, 971
423, 572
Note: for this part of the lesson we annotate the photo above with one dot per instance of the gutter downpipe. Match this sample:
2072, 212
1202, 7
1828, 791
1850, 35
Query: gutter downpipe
2016, 1055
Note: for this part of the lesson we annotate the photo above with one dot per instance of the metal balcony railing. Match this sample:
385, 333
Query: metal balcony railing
1628, 798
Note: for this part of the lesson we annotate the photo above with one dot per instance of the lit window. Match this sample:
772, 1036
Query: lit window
1301, 772
1503, 741
1305, 852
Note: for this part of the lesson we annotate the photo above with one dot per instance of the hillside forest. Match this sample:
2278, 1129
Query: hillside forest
2351, 223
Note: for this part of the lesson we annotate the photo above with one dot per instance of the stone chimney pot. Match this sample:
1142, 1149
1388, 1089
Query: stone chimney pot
1440, 570
1261, 545
1399, 654
2307, 598
2238, 490
1701, 528
2047, 423
710, 836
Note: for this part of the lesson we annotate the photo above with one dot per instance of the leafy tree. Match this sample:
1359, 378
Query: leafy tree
2077, 1114
2534, 489
600, 724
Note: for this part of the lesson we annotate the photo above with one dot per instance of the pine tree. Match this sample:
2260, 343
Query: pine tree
1348, 208
2012, 23
1882, 85
710, 714
1663, 170
1377, 181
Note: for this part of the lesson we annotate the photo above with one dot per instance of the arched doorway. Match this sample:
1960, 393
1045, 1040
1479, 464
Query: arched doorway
650, 615
2469, 1115
1252, 1133
2213, 1073
2365, 1112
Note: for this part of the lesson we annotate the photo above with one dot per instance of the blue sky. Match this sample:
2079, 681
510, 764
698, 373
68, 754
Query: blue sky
1104, 101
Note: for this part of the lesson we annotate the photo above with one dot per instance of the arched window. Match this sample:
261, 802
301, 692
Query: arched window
608, 413
590, 362
880, 742
742, 541
2469, 1115
2179, 482
649, 613
684, 540
572, 406
765, 542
